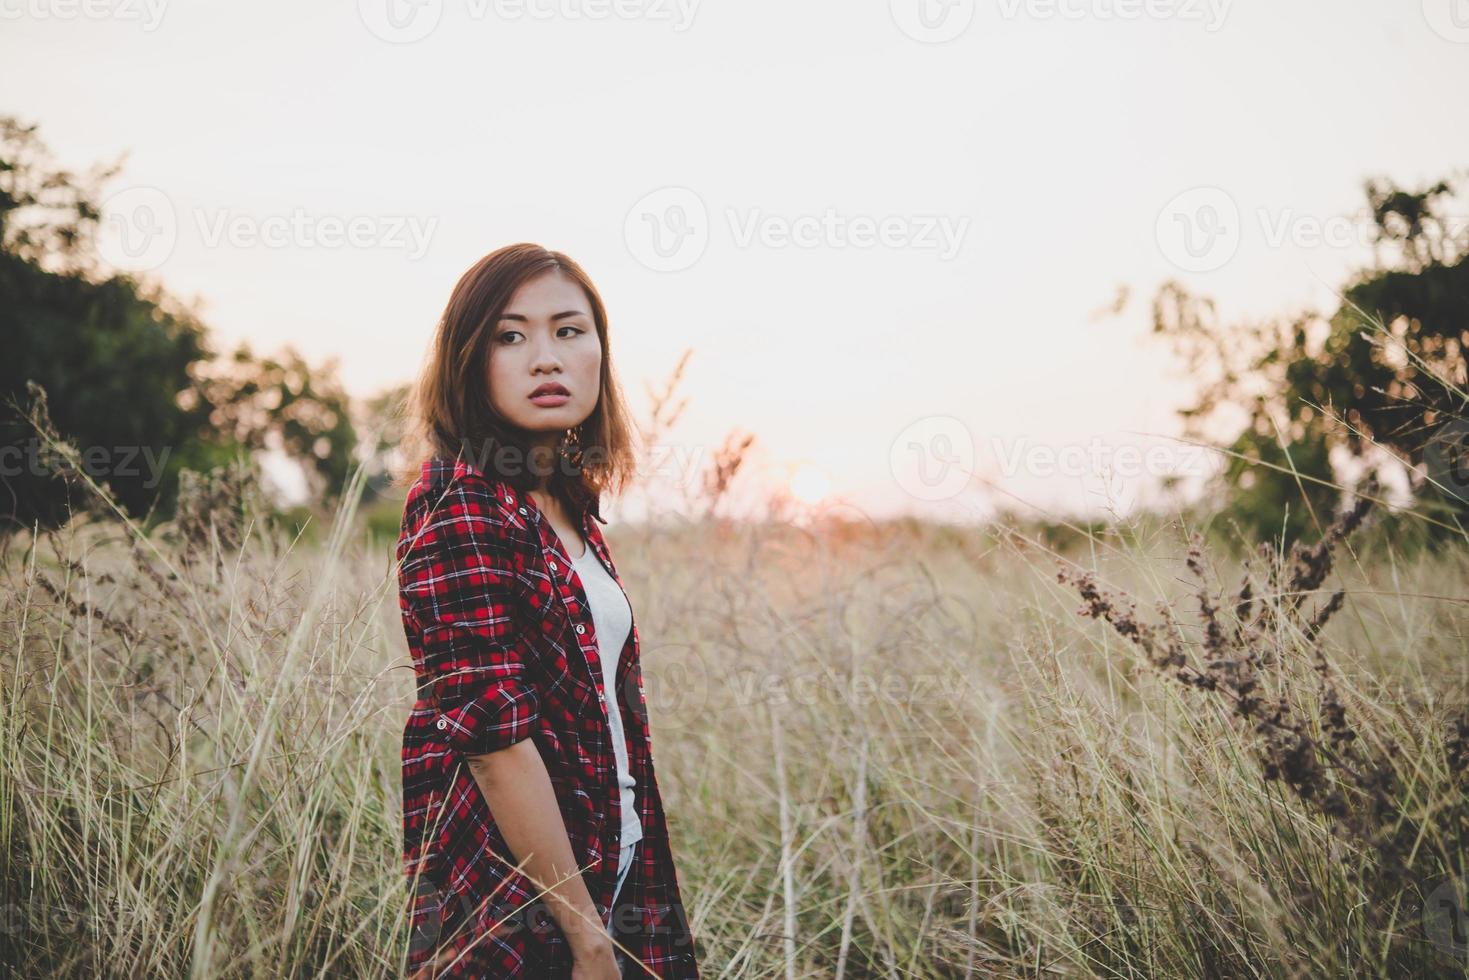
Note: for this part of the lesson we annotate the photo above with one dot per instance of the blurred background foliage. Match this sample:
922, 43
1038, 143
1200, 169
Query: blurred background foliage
1318, 402
129, 373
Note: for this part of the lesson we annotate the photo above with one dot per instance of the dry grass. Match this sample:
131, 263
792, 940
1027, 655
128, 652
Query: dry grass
885, 752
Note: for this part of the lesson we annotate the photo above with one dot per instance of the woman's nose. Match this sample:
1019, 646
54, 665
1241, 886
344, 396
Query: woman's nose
544, 356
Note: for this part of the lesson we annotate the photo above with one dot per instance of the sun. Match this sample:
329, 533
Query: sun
809, 485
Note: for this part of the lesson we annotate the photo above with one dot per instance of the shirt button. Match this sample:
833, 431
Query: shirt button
443, 723
580, 628
522, 510
553, 566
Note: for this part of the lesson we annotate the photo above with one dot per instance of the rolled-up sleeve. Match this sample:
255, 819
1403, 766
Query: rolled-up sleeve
458, 581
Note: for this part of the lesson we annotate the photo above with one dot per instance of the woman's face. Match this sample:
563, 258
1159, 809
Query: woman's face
546, 337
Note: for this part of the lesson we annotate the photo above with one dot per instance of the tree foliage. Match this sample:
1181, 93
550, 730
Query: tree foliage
130, 377
1315, 401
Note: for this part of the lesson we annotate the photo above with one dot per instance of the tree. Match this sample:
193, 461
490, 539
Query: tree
129, 376
281, 403
112, 358
1377, 384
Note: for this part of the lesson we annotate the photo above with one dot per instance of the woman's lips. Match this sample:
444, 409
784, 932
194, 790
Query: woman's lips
550, 399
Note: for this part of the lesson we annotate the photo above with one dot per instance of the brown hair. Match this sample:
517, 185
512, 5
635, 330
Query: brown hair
449, 408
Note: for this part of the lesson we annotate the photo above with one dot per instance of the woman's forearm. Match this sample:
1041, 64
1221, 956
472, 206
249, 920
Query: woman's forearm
522, 800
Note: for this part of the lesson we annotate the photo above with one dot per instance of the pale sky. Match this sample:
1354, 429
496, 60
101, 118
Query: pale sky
883, 227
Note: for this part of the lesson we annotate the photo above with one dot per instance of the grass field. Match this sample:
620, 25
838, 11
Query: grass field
886, 751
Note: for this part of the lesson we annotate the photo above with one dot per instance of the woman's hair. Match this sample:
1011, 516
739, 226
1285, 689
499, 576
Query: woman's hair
449, 411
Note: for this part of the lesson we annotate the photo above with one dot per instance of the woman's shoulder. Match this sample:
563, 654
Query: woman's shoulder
460, 475
453, 491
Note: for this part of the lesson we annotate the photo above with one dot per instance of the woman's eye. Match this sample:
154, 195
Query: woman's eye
503, 338
576, 329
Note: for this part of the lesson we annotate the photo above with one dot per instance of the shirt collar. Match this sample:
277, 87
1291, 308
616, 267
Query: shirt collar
442, 469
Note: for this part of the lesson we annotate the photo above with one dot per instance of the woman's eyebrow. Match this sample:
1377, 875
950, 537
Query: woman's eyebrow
520, 318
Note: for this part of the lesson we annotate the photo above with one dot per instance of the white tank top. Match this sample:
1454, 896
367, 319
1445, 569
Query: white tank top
612, 619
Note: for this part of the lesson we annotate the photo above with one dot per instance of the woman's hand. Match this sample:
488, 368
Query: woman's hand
595, 962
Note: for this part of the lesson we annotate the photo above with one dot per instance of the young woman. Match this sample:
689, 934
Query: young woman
533, 829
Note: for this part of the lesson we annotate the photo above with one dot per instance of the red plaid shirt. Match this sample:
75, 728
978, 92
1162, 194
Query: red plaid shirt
504, 649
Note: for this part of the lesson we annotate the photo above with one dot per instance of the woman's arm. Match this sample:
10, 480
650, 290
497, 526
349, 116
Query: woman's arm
518, 790
458, 585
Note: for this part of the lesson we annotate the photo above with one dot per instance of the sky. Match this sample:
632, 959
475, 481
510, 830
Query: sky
883, 229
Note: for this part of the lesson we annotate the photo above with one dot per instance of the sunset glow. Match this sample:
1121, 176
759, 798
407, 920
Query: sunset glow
809, 485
